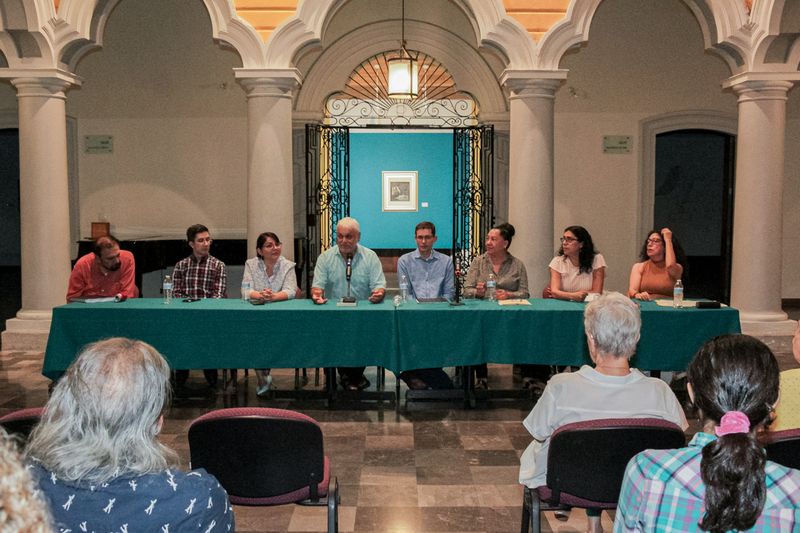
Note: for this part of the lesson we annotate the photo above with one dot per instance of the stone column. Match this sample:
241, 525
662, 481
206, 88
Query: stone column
530, 175
270, 202
757, 223
44, 208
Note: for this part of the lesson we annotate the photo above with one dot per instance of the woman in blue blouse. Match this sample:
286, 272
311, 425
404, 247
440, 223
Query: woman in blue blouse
272, 279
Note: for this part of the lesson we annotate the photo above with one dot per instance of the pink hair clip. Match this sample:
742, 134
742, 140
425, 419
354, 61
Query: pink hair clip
733, 422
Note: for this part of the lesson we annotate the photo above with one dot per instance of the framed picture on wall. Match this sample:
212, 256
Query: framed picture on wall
399, 190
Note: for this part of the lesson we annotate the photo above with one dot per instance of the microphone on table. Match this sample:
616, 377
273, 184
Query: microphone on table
348, 273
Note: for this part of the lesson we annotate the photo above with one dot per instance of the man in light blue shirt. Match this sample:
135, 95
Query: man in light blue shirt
367, 282
430, 275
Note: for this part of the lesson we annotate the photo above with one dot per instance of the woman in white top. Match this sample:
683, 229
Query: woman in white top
272, 279
578, 269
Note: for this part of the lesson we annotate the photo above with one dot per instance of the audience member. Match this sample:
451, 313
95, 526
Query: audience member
610, 389
22, 506
366, 282
430, 275
508, 271
105, 272
96, 454
787, 413
722, 481
272, 279
662, 264
200, 275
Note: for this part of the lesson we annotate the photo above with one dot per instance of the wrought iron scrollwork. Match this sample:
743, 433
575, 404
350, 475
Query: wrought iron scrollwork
327, 188
473, 194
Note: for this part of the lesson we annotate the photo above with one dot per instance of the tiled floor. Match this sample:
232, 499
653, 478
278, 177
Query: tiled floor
430, 467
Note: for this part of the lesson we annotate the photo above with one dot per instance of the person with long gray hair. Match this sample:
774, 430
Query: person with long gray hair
22, 507
97, 457
609, 389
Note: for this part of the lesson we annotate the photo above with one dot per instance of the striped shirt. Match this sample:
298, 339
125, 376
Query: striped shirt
663, 491
199, 278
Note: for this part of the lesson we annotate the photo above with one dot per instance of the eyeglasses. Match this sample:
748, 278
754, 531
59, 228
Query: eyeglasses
654, 241
565, 240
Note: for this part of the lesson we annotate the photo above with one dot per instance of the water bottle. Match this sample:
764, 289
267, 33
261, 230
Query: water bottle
677, 295
404, 288
246, 287
491, 288
166, 288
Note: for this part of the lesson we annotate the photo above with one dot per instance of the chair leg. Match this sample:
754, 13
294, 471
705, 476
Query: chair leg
316, 377
536, 513
526, 511
333, 507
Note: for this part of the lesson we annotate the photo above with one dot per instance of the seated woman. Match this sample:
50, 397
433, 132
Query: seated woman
96, 455
509, 273
610, 389
787, 414
722, 481
577, 270
272, 279
662, 264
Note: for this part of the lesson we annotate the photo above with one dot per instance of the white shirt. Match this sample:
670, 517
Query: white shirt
589, 395
572, 279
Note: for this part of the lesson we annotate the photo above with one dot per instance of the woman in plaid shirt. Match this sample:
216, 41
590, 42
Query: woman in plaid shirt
722, 481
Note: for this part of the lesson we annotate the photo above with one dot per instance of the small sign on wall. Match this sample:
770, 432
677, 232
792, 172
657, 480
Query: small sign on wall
99, 144
617, 144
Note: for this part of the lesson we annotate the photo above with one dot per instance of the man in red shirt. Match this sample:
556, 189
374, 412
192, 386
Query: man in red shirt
105, 272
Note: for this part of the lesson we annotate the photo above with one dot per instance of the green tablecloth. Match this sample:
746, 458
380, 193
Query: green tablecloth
234, 334
548, 331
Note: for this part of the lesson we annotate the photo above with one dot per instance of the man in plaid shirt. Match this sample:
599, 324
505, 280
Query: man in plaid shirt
200, 275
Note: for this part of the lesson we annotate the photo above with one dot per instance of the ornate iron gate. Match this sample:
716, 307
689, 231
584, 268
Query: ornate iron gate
327, 189
473, 193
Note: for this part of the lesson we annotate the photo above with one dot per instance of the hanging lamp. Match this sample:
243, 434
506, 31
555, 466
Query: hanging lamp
403, 70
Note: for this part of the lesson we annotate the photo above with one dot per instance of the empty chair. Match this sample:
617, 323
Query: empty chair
265, 456
21, 422
783, 447
586, 463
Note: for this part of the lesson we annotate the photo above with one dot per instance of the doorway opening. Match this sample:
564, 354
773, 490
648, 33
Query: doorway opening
693, 196
10, 281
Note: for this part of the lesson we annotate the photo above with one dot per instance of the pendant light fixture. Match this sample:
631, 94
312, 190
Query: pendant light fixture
403, 70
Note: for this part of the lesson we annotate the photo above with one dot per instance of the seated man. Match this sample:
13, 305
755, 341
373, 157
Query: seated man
97, 457
367, 281
200, 275
609, 389
430, 275
104, 272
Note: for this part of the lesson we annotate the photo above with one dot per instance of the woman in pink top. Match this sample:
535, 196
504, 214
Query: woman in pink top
662, 261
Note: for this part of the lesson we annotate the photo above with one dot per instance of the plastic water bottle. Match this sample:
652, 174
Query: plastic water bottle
166, 288
491, 288
404, 288
246, 287
677, 295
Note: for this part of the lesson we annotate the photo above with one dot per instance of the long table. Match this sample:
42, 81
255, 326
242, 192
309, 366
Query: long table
231, 333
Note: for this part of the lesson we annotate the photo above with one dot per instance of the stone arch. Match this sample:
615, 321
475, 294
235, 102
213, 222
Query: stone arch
25, 31
331, 69
649, 128
493, 27
725, 26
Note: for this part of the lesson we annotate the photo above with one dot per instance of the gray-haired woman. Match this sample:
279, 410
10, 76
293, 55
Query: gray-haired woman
610, 389
96, 453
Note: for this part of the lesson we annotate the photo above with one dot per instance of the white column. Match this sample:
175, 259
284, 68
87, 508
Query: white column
270, 205
530, 175
757, 223
44, 208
